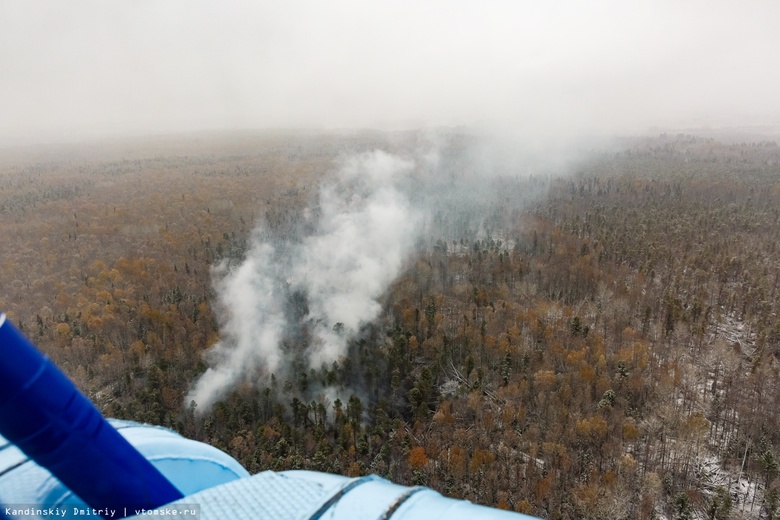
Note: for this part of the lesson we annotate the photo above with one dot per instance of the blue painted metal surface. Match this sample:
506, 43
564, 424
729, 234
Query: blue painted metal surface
189, 465
309, 495
52, 423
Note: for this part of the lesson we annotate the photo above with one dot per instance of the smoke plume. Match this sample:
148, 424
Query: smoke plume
317, 286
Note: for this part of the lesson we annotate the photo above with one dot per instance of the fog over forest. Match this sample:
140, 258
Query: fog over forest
90, 69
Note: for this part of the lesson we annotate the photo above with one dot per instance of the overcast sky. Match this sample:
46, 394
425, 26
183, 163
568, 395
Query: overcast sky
97, 67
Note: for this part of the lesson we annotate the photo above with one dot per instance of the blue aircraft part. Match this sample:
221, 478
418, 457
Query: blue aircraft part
189, 465
309, 495
52, 423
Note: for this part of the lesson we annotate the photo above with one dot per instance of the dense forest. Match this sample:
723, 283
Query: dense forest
602, 344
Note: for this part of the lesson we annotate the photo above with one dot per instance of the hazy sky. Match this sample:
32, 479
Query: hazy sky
93, 67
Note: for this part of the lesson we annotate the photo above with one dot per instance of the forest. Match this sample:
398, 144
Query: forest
598, 341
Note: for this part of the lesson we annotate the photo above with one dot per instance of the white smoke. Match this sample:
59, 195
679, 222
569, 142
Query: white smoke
365, 230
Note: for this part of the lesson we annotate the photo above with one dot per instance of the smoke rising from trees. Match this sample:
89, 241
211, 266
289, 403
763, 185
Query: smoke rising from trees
319, 286
307, 287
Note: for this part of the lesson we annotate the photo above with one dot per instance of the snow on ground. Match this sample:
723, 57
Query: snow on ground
735, 332
746, 494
